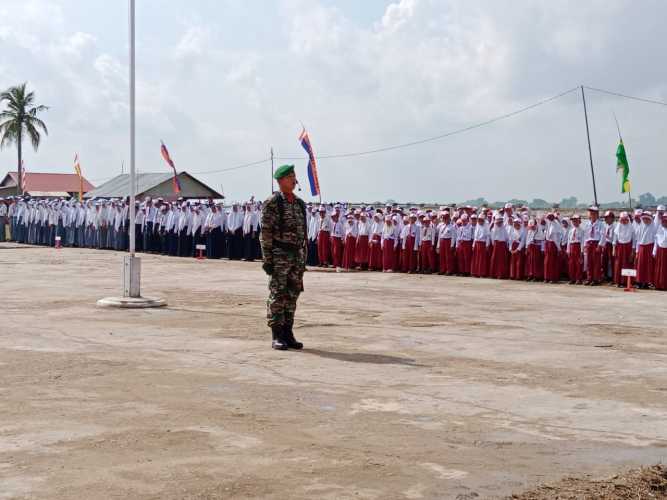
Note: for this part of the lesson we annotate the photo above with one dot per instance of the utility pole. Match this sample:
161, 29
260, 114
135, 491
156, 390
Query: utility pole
271, 192
590, 153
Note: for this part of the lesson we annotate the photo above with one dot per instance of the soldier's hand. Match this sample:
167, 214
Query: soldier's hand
268, 268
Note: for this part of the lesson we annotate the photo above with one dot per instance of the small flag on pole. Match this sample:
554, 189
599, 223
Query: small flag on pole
165, 154
77, 169
23, 177
622, 167
312, 164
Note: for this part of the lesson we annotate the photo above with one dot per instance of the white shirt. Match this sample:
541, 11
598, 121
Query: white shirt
390, 232
446, 231
517, 236
364, 228
428, 233
608, 233
482, 233
645, 235
553, 232
623, 233
660, 239
410, 230
593, 231
499, 234
464, 233
337, 229
575, 235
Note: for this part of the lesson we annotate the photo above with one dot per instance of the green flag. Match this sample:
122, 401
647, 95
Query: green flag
622, 167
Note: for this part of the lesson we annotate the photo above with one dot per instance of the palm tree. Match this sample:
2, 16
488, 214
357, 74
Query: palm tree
19, 119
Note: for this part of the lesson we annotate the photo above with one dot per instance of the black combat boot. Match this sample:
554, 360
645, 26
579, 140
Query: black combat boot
278, 341
288, 336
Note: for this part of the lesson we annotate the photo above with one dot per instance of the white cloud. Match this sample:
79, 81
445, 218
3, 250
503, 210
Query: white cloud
193, 42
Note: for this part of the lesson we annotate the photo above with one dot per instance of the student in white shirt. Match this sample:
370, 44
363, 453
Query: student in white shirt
660, 255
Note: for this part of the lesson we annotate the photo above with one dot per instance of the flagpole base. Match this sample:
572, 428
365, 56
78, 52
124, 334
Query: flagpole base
131, 298
131, 302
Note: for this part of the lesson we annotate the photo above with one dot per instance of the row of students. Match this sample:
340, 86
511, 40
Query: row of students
502, 244
463, 241
161, 227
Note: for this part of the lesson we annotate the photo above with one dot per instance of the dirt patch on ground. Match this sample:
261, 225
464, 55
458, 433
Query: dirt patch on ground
647, 483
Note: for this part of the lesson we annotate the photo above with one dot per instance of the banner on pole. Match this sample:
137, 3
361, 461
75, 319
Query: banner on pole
312, 164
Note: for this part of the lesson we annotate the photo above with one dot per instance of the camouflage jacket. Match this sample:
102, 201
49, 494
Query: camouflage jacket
283, 225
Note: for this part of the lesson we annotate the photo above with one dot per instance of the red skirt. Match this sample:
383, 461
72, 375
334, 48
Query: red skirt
375, 253
516, 263
446, 256
427, 256
623, 260
464, 256
349, 252
361, 253
323, 248
660, 269
534, 262
575, 262
480, 262
593, 265
645, 263
499, 260
397, 257
337, 251
564, 271
409, 255
388, 255
551, 262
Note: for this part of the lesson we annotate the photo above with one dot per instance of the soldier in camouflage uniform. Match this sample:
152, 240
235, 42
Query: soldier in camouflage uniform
284, 237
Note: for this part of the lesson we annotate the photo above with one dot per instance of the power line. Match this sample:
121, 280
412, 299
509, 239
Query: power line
244, 165
617, 94
441, 136
251, 164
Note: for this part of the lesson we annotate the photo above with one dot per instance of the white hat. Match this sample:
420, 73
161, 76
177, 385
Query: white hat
594, 208
661, 208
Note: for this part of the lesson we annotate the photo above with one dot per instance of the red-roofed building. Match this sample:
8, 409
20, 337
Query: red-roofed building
44, 185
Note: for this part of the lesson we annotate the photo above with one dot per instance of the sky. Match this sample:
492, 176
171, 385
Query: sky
221, 82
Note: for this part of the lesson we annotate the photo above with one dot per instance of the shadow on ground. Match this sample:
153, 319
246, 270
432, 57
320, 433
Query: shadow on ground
361, 357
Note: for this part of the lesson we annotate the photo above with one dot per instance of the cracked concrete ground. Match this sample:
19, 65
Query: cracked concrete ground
410, 386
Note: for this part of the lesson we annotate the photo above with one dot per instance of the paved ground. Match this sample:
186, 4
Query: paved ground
411, 386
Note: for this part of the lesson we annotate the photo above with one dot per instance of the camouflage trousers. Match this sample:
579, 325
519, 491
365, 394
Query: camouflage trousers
285, 285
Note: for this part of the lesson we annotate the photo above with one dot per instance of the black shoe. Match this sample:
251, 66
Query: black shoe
288, 336
278, 341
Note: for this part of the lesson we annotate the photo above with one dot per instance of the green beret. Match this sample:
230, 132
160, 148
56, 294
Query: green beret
282, 171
